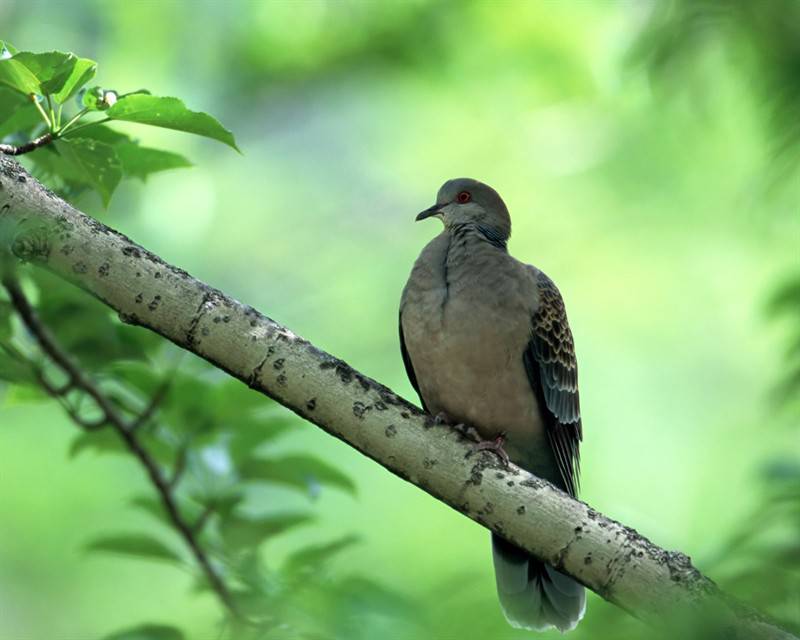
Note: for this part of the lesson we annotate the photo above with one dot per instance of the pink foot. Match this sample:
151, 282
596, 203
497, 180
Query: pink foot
495, 446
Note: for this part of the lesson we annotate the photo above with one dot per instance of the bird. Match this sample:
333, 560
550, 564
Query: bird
486, 344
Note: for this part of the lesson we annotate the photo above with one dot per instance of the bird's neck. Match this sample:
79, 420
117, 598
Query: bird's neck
470, 233
471, 250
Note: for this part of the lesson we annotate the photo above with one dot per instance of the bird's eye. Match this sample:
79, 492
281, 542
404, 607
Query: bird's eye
463, 197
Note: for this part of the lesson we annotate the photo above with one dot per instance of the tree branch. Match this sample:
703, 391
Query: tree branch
112, 417
611, 559
18, 150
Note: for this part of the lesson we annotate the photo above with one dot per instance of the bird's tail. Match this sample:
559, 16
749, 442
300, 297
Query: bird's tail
533, 594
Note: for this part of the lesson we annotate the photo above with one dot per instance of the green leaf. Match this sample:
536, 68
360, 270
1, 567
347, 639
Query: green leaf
82, 71
139, 545
140, 162
310, 558
142, 376
244, 531
17, 76
103, 441
51, 68
223, 503
95, 162
6, 311
85, 326
60, 74
151, 506
299, 471
136, 161
147, 632
169, 113
17, 114
12, 370
250, 433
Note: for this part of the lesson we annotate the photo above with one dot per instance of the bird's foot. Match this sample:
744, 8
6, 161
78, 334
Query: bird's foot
468, 432
442, 418
495, 446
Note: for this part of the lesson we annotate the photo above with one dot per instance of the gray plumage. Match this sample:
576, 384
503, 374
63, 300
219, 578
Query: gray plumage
485, 341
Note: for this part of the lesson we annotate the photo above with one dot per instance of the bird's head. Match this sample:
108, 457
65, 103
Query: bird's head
467, 201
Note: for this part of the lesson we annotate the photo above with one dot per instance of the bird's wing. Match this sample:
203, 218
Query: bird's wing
552, 370
412, 377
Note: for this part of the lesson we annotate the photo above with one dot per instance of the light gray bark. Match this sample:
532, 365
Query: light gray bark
611, 559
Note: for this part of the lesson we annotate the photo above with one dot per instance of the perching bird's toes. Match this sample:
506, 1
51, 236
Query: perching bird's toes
467, 432
495, 446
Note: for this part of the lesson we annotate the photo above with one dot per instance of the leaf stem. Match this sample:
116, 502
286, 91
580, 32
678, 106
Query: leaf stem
90, 124
52, 111
41, 111
72, 121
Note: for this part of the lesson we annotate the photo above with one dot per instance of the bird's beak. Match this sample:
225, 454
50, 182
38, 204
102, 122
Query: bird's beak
430, 211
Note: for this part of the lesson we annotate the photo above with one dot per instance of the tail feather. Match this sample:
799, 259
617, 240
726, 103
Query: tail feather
534, 595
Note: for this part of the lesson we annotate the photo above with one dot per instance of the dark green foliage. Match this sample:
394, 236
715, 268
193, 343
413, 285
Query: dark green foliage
210, 436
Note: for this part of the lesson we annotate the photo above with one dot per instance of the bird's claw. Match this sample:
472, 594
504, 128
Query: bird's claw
494, 446
442, 418
468, 432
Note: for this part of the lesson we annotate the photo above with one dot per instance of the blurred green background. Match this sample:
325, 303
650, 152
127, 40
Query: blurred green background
655, 189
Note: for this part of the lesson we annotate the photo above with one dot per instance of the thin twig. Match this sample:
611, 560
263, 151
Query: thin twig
151, 407
112, 417
18, 150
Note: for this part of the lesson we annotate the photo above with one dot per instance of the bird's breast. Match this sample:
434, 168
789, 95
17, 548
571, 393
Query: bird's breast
466, 347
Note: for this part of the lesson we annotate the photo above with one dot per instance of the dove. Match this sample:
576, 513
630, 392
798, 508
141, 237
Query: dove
486, 343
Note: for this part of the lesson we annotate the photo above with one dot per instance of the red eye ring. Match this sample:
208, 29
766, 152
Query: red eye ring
464, 197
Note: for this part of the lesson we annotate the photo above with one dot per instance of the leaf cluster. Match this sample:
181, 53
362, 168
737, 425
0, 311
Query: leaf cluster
47, 93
